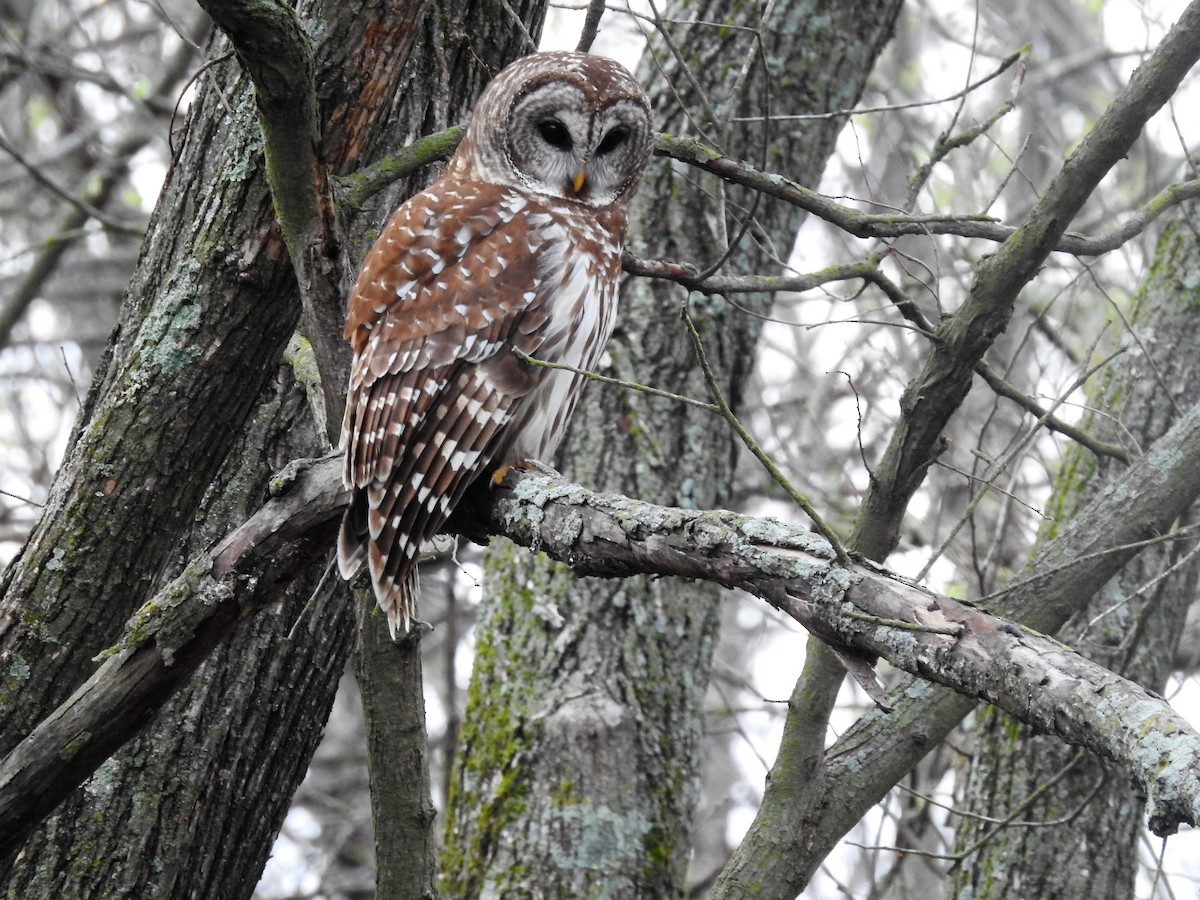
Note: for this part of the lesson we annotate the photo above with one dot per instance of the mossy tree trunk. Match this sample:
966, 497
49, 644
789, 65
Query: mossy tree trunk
1088, 844
577, 766
193, 409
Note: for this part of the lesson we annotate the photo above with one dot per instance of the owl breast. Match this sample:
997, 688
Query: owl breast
581, 314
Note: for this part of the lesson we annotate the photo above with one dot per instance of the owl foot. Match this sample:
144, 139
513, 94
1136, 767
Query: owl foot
526, 465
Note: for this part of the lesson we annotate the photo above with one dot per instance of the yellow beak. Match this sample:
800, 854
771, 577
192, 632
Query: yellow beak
578, 179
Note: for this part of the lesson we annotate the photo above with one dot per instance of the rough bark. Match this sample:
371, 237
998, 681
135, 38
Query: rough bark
182, 429
160, 419
1131, 626
273, 47
190, 808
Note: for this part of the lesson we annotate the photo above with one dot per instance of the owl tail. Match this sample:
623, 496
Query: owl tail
352, 538
401, 603
396, 595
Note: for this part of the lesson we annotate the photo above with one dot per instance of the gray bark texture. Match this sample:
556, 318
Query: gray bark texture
577, 766
188, 418
167, 440
1132, 626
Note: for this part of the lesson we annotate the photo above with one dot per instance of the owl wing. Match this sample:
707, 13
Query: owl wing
456, 278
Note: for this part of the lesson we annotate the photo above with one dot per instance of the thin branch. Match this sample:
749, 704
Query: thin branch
866, 225
1045, 417
912, 312
686, 275
727, 413
591, 25
34, 503
946, 143
513, 17
84, 205
359, 186
995, 468
1013, 821
1005, 64
273, 47
71, 228
617, 382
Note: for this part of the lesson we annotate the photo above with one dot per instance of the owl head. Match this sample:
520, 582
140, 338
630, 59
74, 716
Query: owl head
568, 126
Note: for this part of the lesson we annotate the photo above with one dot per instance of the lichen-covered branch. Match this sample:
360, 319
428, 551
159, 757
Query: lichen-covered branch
1034, 677
980, 655
357, 187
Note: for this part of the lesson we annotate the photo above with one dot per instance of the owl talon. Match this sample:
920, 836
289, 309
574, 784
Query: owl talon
527, 465
417, 629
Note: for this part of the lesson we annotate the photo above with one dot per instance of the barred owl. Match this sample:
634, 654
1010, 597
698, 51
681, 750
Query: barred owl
517, 246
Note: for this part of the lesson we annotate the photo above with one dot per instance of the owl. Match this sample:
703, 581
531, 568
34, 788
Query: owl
516, 247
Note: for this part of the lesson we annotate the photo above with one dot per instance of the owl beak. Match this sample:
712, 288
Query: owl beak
578, 179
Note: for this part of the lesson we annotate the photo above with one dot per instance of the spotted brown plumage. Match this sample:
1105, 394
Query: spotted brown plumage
516, 246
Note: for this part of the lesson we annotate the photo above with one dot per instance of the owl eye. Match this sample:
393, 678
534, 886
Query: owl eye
611, 141
555, 133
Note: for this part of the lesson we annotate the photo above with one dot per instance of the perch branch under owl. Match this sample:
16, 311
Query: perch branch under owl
934, 637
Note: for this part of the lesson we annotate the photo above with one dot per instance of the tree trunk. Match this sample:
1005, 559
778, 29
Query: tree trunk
576, 770
186, 421
190, 808
1131, 626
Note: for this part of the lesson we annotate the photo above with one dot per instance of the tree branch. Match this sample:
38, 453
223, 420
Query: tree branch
870, 225
937, 391
935, 637
358, 186
274, 49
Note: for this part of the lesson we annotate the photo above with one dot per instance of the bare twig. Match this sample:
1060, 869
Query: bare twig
994, 469
947, 143
591, 25
683, 274
1046, 417
83, 204
617, 382
866, 225
1005, 64
754, 447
